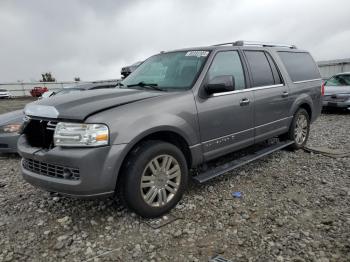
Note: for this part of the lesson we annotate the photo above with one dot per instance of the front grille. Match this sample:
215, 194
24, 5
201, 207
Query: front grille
4, 145
51, 170
39, 133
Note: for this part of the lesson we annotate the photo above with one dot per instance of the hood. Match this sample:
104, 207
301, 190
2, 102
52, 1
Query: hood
80, 105
332, 90
11, 117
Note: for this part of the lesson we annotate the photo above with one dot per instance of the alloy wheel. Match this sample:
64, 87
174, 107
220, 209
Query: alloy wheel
160, 180
301, 129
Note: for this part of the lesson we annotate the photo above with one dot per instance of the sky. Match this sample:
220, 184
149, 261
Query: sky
94, 39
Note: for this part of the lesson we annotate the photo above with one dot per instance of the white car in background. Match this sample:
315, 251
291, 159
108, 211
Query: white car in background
4, 93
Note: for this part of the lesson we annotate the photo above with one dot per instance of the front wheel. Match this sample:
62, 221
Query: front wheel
299, 129
154, 178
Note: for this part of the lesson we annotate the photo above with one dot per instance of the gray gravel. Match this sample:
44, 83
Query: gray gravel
295, 207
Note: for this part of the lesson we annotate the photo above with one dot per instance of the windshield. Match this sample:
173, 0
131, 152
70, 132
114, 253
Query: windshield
339, 80
174, 70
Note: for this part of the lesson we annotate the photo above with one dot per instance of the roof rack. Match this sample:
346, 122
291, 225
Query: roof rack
254, 43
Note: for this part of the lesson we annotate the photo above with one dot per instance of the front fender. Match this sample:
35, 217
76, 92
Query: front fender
145, 126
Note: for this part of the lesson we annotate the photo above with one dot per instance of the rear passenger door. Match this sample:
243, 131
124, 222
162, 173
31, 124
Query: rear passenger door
271, 95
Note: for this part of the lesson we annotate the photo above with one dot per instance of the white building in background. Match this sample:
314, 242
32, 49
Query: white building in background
332, 67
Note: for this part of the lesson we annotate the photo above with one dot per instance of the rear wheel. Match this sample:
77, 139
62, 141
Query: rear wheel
154, 178
299, 129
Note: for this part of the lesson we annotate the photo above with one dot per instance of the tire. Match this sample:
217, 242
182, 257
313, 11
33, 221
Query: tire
147, 188
299, 129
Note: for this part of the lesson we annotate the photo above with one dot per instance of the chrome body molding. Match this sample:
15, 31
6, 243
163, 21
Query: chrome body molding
305, 81
246, 90
230, 137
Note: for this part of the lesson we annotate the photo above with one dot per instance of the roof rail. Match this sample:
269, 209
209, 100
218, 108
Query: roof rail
255, 43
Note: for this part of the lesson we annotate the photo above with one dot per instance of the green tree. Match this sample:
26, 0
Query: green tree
47, 77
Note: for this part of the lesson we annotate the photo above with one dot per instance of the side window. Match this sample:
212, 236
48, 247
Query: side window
228, 63
300, 66
260, 68
276, 74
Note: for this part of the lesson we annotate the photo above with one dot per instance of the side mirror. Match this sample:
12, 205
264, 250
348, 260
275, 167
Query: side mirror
220, 84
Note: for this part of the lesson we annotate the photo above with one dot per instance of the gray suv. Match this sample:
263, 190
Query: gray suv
176, 111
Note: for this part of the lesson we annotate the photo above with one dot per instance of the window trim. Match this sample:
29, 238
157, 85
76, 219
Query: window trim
305, 81
247, 90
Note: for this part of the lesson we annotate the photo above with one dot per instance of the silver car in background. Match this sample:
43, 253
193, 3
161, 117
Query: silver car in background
337, 91
10, 124
4, 93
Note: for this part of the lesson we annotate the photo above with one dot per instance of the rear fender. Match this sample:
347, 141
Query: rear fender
302, 99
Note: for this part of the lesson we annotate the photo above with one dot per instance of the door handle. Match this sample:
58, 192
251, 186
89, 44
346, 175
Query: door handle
285, 94
244, 101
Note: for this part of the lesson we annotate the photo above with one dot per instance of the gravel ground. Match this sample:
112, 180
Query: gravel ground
295, 207
8, 105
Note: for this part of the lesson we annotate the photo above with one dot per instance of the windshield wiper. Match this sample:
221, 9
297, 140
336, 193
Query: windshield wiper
147, 85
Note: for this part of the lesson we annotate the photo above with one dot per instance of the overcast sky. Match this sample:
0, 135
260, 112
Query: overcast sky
94, 39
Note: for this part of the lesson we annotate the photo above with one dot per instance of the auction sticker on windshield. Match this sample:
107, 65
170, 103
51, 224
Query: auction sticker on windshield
197, 53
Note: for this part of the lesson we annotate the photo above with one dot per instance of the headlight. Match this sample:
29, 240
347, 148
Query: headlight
11, 128
80, 135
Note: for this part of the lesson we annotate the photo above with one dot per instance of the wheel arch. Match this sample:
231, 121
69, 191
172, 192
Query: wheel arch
303, 102
308, 109
166, 135
171, 137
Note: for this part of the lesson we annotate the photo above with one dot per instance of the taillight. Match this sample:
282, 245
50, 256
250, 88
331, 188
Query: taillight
322, 89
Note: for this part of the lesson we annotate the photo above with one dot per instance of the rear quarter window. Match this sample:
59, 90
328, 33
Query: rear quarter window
300, 66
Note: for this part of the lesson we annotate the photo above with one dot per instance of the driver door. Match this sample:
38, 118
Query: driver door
226, 118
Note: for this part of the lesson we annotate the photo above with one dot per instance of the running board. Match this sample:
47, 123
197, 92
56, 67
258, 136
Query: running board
229, 166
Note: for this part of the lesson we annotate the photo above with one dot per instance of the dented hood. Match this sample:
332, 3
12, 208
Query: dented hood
80, 105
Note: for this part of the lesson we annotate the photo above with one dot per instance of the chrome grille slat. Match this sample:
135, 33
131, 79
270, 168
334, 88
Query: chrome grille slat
50, 170
51, 125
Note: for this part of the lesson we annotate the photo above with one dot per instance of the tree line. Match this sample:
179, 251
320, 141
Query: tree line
48, 77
